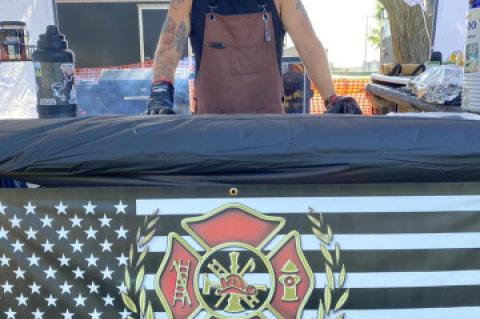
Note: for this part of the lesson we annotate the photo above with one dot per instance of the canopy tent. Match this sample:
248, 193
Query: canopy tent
450, 27
17, 79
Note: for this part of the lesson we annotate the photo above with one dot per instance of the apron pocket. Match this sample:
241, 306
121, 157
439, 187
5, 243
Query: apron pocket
249, 59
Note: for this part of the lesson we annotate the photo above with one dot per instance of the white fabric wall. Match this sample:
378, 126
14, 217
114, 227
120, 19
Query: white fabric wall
451, 26
17, 79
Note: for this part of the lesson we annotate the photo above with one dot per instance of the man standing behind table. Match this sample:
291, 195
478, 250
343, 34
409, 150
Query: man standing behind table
238, 46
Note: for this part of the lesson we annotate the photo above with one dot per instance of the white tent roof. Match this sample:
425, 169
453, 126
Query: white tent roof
17, 79
451, 26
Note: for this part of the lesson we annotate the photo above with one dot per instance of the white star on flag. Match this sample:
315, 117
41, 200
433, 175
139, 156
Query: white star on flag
122, 260
62, 233
22, 300
18, 246
51, 301
66, 288
5, 261
107, 273
76, 221
77, 246
106, 246
67, 314
92, 261
108, 300
125, 313
89, 208
80, 300
121, 232
33, 260
91, 233
3, 233
47, 221
31, 233
120, 208
93, 288
47, 246
122, 288
7, 287
95, 314
37, 314
63, 260
105, 221
61, 209
35, 288
2, 208
15, 222
10, 314
50, 272
78, 273
19, 273
30, 209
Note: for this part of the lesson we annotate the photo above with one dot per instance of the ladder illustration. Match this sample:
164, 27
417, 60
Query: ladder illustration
181, 289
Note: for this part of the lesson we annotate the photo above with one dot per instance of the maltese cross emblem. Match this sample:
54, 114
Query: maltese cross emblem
236, 263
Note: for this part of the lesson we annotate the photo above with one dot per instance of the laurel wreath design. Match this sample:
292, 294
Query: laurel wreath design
136, 299
335, 295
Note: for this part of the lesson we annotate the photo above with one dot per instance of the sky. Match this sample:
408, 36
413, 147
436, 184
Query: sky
341, 25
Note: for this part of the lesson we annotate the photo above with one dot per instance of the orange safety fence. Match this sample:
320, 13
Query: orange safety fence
353, 86
349, 86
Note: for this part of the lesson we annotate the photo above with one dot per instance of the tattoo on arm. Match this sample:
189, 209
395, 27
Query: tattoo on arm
181, 37
174, 4
299, 6
167, 40
171, 45
173, 37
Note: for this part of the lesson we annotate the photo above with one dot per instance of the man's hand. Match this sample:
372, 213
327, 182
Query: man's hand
342, 105
161, 99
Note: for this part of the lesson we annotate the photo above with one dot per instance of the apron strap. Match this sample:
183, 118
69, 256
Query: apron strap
262, 3
212, 5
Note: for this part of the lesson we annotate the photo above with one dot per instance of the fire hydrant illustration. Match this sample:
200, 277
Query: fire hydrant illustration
290, 281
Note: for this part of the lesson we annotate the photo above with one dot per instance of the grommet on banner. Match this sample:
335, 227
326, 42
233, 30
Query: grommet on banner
233, 192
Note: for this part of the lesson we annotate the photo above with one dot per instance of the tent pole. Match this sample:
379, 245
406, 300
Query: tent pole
434, 28
55, 12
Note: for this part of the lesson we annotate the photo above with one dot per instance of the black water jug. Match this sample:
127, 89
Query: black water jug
54, 72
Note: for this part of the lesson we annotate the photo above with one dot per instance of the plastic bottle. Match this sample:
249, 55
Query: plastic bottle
54, 72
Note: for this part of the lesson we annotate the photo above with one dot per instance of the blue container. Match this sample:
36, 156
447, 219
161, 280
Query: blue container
474, 4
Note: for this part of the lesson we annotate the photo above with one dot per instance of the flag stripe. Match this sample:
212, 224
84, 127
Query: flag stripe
289, 205
362, 242
380, 280
360, 223
392, 298
381, 260
431, 313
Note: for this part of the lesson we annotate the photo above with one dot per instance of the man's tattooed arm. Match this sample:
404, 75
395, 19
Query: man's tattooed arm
298, 25
301, 8
173, 41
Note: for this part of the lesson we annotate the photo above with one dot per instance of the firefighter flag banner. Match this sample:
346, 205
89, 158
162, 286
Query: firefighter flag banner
153, 253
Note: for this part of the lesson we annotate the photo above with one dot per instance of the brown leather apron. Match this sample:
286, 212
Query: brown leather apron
239, 72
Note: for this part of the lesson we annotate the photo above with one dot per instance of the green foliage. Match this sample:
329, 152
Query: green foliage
375, 36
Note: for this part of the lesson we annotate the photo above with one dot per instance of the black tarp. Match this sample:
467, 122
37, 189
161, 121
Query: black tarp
209, 150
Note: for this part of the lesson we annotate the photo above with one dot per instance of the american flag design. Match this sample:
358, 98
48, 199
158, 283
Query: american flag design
64, 253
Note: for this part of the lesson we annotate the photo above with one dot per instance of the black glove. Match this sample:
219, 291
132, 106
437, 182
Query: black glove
161, 99
342, 105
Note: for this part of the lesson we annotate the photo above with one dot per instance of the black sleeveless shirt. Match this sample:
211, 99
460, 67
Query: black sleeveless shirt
231, 7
